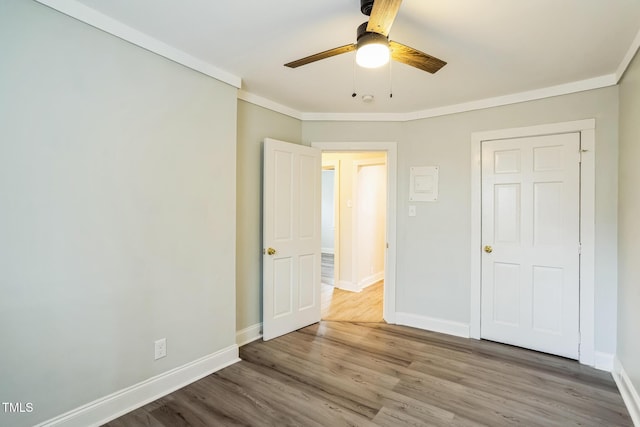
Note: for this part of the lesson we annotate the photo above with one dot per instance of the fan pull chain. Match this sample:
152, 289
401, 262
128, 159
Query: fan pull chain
390, 81
354, 94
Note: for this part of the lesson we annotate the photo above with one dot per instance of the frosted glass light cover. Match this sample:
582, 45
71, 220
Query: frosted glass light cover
372, 55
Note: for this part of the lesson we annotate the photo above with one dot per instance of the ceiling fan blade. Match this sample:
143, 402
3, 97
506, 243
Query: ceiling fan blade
415, 58
382, 16
322, 55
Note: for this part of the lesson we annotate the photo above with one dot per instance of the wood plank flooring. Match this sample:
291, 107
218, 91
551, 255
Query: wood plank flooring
374, 374
341, 305
327, 269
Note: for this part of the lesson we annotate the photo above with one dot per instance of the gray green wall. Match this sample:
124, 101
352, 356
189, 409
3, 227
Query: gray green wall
629, 224
254, 125
117, 213
433, 248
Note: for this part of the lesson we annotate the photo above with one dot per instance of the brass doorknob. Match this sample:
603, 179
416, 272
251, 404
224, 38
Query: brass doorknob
488, 249
271, 251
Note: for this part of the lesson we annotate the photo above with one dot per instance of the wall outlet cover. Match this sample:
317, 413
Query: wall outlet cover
160, 348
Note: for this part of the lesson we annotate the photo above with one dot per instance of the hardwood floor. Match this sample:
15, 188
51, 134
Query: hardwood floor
341, 305
327, 266
374, 374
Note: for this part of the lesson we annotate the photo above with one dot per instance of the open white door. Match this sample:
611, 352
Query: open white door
531, 234
291, 237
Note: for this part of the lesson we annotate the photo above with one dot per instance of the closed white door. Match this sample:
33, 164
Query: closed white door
530, 233
291, 237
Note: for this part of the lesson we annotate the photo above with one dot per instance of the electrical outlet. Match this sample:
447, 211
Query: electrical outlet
160, 348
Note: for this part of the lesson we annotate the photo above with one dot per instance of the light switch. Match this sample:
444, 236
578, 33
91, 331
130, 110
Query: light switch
412, 210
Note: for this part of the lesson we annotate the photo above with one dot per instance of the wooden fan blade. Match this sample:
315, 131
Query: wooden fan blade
382, 16
415, 58
322, 55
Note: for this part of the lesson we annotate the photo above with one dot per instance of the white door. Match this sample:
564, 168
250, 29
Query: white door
291, 237
530, 234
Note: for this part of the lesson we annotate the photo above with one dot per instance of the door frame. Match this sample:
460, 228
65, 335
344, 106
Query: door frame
334, 165
391, 148
586, 128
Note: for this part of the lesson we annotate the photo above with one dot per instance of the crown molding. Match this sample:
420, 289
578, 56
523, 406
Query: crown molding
109, 25
564, 89
269, 104
626, 61
79, 11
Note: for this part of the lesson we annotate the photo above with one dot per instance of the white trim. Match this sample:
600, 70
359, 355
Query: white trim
269, 104
442, 326
372, 279
635, 45
603, 361
587, 232
588, 245
389, 301
347, 285
563, 89
83, 13
629, 394
248, 335
335, 166
90, 16
110, 407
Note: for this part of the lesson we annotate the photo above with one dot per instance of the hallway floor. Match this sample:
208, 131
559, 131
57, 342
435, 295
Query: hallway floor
341, 305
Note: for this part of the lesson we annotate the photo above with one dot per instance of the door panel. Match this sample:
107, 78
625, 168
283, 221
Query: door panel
530, 219
291, 237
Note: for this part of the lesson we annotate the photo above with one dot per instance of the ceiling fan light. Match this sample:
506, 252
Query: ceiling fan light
372, 55
373, 48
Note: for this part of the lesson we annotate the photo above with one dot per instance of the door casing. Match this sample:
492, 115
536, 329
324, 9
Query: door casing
586, 128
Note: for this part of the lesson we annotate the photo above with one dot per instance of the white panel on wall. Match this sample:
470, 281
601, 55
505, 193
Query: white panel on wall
423, 184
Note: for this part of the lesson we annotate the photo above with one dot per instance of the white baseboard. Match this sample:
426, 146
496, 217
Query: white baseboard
372, 279
627, 390
603, 361
250, 334
110, 407
436, 325
348, 286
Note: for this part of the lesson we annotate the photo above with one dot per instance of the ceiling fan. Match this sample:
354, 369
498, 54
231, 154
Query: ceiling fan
373, 47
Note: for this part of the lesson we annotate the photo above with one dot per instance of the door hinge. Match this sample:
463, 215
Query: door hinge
387, 246
579, 248
580, 155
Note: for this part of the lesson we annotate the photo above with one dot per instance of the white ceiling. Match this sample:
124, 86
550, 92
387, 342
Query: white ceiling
493, 47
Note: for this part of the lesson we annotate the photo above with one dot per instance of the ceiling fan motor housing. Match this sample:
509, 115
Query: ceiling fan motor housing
366, 6
366, 37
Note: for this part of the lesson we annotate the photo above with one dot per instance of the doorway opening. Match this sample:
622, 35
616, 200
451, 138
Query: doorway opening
354, 218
